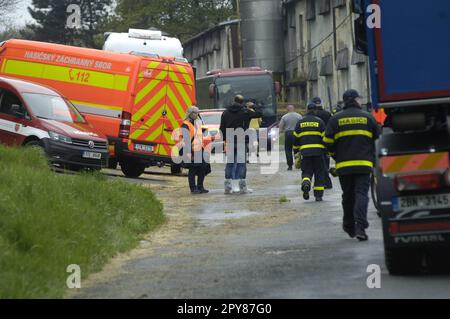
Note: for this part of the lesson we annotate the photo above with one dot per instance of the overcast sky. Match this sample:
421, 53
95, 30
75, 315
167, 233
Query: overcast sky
22, 13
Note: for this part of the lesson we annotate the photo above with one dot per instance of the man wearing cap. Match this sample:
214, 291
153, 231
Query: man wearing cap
325, 116
235, 119
350, 138
308, 141
287, 126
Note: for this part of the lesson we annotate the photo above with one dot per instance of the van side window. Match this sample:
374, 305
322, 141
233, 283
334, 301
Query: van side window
11, 104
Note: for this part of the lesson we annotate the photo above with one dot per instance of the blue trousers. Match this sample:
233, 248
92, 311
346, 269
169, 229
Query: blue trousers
236, 167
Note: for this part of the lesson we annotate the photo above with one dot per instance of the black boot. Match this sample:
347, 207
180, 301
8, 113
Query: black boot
361, 234
203, 190
306, 188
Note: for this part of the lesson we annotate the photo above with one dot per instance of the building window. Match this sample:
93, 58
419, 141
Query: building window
342, 60
358, 58
339, 3
323, 7
310, 10
326, 66
313, 74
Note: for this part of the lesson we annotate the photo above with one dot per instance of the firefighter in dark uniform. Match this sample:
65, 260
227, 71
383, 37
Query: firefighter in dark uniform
325, 116
308, 141
350, 138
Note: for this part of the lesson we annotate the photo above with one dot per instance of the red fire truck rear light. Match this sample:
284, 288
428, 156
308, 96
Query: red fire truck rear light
414, 182
447, 177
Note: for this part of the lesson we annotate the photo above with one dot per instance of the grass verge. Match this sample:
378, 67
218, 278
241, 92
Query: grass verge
49, 221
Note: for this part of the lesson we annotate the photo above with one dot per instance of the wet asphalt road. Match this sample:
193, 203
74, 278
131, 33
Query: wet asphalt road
253, 246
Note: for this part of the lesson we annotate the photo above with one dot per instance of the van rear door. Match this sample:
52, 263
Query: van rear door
149, 105
180, 96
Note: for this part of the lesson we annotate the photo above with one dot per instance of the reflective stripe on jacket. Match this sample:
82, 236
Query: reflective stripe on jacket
198, 142
308, 136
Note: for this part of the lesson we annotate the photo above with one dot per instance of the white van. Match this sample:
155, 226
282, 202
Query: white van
143, 41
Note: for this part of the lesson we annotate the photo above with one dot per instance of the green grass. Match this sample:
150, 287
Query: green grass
49, 221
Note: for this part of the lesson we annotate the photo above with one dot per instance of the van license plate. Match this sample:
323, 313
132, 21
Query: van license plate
144, 148
92, 155
437, 201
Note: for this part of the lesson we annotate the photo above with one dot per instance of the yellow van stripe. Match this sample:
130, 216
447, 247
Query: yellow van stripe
175, 102
147, 89
155, 133
67, 74
185, 74
154, 100
100, 106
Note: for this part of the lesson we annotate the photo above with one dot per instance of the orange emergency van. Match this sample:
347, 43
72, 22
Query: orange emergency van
136, 100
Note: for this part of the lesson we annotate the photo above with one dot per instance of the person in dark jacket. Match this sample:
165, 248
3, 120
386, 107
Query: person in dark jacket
193, 151
325, 116
308, 141
235, 121
350, 138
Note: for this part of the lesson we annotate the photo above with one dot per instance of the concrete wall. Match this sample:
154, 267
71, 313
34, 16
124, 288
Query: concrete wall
216, 48
320, 41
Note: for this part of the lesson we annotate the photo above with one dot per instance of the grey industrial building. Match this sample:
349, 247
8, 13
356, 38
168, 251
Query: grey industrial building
308, 44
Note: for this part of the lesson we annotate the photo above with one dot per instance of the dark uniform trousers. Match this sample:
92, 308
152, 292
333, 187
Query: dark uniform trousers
200, 172
355, 200
328, 182
314, 167
288, 147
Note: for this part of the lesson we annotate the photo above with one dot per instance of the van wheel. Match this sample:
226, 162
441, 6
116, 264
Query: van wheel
176, 169
112, 163
36, 145
132, 168
403, 261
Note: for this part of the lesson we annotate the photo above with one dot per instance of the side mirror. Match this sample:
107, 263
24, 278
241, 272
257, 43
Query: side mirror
17, 111
212, 90
361, 36
277, 88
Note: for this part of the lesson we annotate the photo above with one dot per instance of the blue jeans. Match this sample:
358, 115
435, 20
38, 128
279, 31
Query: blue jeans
236, 167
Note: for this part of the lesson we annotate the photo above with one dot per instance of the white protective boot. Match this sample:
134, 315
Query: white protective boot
243, 189
235, 186
228, 187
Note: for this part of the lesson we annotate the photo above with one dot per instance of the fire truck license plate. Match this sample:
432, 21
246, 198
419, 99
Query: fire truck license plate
144, 148
92, 155
438, 201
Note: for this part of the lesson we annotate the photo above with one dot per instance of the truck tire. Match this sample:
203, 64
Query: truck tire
403, 261
132, 168
373, 191
438, 260
176, 169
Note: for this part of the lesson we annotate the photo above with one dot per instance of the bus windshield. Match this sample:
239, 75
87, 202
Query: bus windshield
257, 89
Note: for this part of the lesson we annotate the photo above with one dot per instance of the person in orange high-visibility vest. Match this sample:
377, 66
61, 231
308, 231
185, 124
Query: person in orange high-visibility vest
194, 151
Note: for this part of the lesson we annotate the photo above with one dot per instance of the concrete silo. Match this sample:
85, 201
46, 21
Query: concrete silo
262, 34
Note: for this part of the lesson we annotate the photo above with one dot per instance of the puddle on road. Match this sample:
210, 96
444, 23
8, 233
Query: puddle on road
213, 217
